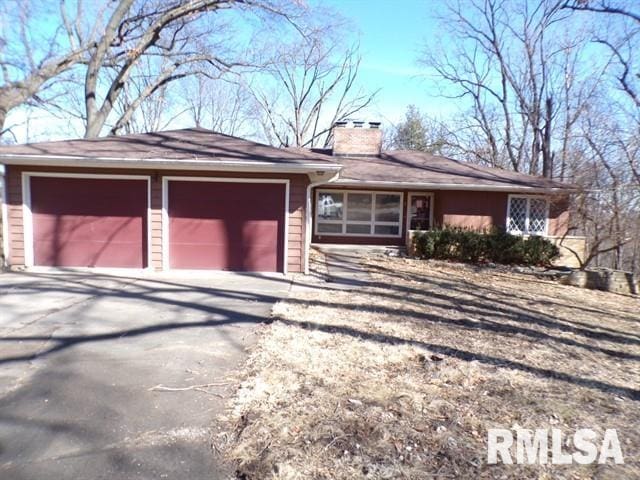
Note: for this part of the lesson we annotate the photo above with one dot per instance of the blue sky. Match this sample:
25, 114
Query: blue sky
392, 35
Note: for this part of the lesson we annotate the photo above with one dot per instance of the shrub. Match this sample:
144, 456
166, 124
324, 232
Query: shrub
497, 246
539, 251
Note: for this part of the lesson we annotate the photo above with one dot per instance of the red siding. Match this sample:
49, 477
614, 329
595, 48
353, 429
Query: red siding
226, 226
14, 214
89, 222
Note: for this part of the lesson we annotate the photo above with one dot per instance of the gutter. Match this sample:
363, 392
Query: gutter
453, 186
156, 163
309, 220
5, 219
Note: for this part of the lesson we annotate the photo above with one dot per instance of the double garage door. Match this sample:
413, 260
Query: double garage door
103, 222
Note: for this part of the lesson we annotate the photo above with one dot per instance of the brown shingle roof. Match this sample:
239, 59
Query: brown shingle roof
413, 167
191, 144
205, 149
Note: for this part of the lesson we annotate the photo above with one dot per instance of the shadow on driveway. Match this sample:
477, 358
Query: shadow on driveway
80, 355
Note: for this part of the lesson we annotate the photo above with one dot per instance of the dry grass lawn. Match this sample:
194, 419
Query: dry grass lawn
402, 377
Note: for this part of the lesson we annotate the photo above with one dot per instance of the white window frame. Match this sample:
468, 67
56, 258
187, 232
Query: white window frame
373, 223
526, 231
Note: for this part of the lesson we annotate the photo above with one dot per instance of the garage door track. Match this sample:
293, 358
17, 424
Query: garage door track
106, 376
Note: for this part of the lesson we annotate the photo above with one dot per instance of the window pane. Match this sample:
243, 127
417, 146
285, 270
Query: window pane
387, 208
330, 206
537, 215
359, 207
387, 230
517, 214
420, 212
329, 227
361, 229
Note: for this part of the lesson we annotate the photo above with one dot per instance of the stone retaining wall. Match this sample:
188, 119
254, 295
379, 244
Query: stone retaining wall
608, 280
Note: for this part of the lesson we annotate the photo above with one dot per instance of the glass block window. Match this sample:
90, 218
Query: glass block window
357, 213
527, 215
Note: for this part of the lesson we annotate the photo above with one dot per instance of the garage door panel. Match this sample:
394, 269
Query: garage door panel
226, 226
89, 222
89, 228
74, 253
195, 231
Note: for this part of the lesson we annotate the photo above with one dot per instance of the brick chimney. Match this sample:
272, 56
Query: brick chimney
355, 137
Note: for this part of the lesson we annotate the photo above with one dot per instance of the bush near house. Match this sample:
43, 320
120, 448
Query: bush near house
496, 246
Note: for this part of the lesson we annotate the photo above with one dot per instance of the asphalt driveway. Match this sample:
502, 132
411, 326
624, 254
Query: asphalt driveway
99, 374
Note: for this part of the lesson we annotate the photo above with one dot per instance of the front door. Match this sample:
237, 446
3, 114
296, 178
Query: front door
420, 211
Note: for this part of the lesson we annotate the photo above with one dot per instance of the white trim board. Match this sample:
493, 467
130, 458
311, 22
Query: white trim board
5, 219
42, 161
165, 210
27, 216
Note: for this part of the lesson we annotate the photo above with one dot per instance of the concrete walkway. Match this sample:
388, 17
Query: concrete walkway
345, 267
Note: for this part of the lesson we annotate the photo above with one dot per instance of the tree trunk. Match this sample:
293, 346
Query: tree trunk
94, 125
3, 119
547, 157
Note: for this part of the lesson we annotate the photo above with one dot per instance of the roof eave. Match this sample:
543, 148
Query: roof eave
453, 186
164, 163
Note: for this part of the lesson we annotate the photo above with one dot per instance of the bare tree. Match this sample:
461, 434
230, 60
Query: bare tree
133, 31
223, 105
508, 63
30, 57
419, 132
623, 44
143, 105
609, 134
308, 88
537, 77
101, 50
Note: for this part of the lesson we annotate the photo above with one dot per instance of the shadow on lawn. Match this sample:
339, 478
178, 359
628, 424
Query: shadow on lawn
633, 394
481, 301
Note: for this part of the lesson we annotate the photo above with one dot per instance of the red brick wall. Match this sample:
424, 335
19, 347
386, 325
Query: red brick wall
297, 192
357, 141
476, 210
481, 210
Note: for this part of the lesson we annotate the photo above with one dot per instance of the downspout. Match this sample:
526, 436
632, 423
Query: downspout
309, 219
5, 218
